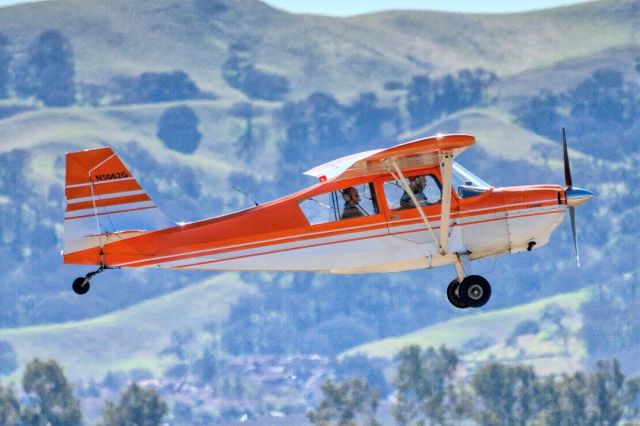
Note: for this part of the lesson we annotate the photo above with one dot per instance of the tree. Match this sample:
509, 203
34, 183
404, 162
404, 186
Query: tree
631, 394
604, 98
53, 402
157, 87
49, 71
206, 367
606, 386
506, 394
349, 403
5, 64
420, 100
366, 118
365, 368
423, 381
9, 407
326, 119
239, 71
573, 399
246, 143
178, 129
138, 406
540, 114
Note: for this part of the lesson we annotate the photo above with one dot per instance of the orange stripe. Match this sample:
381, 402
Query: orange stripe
102, 189
108, 202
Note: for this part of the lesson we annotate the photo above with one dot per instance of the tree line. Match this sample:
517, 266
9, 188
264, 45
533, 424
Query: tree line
430, 389
602, 113
46, 72
48, 399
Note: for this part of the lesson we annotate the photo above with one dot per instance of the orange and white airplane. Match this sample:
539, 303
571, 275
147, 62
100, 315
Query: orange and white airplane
359, 218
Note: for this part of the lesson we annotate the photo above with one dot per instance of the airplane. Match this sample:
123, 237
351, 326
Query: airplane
360, 217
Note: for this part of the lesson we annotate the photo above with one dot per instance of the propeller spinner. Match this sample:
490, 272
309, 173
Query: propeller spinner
574, 196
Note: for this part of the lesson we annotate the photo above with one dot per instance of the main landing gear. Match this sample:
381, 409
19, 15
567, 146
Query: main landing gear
473, 292
81, 284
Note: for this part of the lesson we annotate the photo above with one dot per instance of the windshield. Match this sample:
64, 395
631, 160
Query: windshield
466, 183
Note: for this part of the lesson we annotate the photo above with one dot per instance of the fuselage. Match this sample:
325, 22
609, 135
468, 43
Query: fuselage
282, 236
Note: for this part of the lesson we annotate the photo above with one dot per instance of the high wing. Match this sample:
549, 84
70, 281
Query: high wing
421, 153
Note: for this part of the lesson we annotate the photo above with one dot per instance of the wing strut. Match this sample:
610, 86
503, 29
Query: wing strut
403, 182
446, 167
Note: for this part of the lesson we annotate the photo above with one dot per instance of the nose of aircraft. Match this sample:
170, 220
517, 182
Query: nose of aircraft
577, 196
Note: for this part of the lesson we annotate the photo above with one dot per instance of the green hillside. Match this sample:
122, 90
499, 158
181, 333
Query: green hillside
316, 52
130, 338
555, 346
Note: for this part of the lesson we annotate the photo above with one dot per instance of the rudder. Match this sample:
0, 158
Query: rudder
103, 198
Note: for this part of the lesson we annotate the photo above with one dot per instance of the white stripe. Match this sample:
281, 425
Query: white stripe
71, 202
257, 251
80, 185
109, 209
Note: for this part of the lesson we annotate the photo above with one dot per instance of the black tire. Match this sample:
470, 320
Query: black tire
475, 291
452, 295
78, 286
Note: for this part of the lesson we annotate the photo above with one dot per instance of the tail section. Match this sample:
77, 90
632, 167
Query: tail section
104, 200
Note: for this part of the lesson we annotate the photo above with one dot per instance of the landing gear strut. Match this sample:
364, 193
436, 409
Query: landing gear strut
81, 284
473, 292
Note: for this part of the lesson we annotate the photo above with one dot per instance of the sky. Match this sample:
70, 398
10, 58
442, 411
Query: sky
355, 7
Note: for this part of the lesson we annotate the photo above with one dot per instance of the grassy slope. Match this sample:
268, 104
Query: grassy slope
315, 52
546, 350
129, 338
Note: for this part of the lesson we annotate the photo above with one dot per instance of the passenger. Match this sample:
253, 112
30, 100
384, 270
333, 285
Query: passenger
417, 185
351, 203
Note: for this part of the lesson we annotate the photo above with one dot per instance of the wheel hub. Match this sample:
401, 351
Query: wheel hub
476, 292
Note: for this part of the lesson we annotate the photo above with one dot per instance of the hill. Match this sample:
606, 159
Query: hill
544, 334
316, 52
130, 338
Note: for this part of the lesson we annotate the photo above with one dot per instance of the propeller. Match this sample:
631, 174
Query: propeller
574, 196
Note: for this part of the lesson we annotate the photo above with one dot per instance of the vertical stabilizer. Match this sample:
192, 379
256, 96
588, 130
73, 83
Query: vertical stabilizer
103, 199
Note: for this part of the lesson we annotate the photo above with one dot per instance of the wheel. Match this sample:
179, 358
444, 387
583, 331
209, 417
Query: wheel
80, 286
452, 295
474, 291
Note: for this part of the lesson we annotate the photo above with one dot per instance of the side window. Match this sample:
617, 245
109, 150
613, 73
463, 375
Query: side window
345, 203
426, 188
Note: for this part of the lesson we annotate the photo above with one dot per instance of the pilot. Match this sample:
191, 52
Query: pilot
351, 203
417, 185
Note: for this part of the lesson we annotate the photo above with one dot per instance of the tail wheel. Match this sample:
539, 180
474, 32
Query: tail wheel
453, 295
81, 285
474, 291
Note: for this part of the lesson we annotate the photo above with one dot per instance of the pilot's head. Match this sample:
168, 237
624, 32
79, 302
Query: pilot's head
417, 183
351, 195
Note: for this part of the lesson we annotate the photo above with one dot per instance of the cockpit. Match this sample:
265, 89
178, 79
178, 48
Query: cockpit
361, 200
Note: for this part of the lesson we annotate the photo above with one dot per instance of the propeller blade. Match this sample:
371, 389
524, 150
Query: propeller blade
567, 167
572, 215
